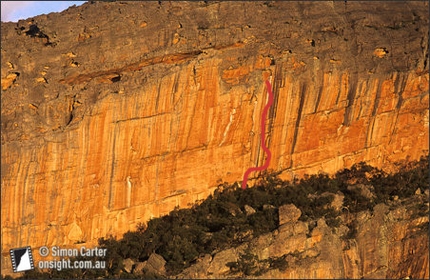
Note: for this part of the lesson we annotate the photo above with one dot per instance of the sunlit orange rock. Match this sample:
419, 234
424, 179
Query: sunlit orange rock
178, 119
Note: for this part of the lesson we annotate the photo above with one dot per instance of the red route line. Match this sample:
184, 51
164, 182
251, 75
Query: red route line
263, 133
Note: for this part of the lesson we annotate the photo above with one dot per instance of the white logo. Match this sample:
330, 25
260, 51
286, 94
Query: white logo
22, 259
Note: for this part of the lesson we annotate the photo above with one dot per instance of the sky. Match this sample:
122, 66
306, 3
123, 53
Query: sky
16, 10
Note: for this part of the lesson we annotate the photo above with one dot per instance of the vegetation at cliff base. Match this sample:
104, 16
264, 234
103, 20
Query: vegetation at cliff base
232, 216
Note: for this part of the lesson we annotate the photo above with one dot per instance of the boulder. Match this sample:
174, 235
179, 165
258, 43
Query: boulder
128, 265
365, 190
155, 264
197, 270
268, 206
337, 202
139, 267
288, 213
249, 210
218, 265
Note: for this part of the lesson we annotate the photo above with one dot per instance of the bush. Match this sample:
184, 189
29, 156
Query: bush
220, 222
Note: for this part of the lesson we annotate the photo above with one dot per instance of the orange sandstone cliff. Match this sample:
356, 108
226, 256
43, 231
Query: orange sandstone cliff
116, 112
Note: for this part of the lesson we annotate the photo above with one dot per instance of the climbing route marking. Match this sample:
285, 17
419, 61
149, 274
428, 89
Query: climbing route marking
263, 133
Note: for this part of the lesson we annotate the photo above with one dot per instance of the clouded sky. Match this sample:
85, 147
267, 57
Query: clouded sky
16, 10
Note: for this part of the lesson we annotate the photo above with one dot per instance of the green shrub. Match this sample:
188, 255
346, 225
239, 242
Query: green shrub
220, 222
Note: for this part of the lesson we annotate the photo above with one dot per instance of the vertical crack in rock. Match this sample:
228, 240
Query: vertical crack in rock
258, 148
278, 83
399, 86
175, 84
112, 170
83, 162
227, 128
369, 133
252, 132
320, 87
171, 142
24, 196
299, 116
338, 93
377, 97
360, 105
352, 91
157, 101
157, 190
176, 120
191, 119
128, 192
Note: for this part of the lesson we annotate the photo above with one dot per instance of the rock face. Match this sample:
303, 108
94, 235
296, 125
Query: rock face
115, 112
155, 264
390, 243
288, 213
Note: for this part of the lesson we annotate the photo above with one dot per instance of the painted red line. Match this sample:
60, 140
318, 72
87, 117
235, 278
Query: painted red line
263, 133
